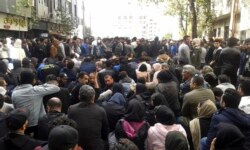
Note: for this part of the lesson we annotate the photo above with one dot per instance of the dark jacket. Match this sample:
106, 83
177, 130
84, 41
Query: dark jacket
232, 116
63, 95
115, 109
92, 125
170, 91
43, 124
15, 141
229, 62
3, 128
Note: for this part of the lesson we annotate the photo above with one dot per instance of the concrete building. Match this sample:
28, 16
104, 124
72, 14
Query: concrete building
223, 23
14, 18
41, 18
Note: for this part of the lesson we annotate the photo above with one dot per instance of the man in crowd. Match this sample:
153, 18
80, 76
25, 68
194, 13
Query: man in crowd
31, 97
184, 50
91, 119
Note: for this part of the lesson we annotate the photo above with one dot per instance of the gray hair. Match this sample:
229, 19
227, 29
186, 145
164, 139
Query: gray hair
189, 68
86, 93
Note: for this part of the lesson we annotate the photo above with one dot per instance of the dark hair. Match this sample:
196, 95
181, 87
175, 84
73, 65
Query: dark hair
125, 144
27, 77
50, 77
26, 62
1, 100
186, 37
118, 88
224, 78
141, 80
122, 75
245, 87
70, 64
231, 98
164, 115
232, 41
143, 68
52, 103
108, 64
108, 75
82, 74
62, 120
3, 67
165, 76
217, 91
198, 80
159, 99
86, 93
17, 64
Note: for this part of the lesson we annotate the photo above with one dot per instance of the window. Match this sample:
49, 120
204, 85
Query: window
219, 29
75, 7
226, 32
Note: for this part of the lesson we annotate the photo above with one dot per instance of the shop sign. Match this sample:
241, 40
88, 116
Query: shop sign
57, 28
12, 22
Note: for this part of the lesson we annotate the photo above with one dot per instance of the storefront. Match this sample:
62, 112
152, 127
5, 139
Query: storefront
13, 26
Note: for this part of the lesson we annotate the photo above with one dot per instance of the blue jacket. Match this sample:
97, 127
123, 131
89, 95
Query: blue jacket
232, 116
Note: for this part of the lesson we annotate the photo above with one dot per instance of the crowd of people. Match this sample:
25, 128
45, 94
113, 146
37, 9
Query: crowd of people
122, 94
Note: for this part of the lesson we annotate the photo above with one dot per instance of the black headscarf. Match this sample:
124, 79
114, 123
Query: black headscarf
135, 111
164, 115
118, 88
140, 88
159, 99
176, 140
229, 137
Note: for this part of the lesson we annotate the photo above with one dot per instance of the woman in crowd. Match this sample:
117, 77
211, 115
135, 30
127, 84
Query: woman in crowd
133, 126
199, 126
165, 123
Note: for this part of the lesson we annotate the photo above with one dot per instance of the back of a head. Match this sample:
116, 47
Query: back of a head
164, 115
17, 118
175, 140
224, 78
189, 68
54, 102
159, 99
206, 109
17, 64
18, 43
143, 68
135, 111
86, 94
232, 41
125, 144
229, 137
62, 137
165, 76
27, 77
70, 64
51, 77
231, 98
198, 80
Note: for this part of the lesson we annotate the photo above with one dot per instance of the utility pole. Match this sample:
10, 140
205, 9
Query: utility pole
233, 18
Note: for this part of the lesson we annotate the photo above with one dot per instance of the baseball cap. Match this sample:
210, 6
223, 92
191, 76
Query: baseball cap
16, 118
62, 137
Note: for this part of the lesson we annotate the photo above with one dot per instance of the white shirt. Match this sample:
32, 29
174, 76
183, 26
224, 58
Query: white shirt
245, 104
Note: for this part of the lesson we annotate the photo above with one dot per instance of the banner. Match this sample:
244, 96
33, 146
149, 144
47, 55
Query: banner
12, 22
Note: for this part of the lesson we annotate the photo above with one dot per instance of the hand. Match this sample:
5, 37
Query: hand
212, 147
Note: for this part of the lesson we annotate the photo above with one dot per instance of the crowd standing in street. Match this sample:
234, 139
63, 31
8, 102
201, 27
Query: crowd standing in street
124, 94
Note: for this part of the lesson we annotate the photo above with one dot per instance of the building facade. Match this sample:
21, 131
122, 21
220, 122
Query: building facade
41, 18
223, 23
